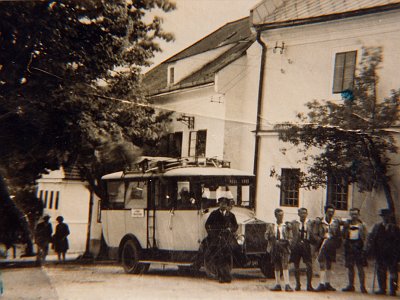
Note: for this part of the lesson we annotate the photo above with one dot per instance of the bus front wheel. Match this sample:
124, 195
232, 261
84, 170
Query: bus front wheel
130, 258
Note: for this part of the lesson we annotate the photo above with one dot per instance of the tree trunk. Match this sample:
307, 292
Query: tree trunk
87, 253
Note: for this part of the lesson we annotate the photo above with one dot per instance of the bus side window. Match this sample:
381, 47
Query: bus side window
185, 197
166, 196
116, 190
136, 194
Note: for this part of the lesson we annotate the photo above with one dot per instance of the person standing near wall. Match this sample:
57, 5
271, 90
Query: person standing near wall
301, 247
279, 237
383, 245
355, 235
43, 234
60, 239
221, 226
328, 237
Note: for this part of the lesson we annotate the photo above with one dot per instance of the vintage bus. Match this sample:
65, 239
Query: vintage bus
157, 213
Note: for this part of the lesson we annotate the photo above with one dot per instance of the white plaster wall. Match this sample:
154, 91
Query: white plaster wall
305, 72
187, 66
238, 82
206, 106
74, 207
268, 193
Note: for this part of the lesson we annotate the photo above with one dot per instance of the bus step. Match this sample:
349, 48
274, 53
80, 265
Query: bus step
186, 264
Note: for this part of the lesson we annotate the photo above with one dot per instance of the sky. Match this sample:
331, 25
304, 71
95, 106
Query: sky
194, 19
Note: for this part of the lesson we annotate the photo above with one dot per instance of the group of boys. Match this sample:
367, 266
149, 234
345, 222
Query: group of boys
292, 241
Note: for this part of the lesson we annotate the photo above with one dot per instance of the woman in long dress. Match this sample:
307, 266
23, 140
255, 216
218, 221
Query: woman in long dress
60, 238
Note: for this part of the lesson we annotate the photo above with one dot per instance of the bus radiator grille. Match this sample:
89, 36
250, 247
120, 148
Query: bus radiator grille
254, 238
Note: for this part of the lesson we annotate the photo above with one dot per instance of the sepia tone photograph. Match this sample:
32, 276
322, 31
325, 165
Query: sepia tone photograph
199, 149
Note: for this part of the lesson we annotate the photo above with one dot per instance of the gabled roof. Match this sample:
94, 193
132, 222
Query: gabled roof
280, 13
236, 33
72, 173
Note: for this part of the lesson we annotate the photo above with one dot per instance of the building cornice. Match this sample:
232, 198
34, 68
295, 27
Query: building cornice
326, 18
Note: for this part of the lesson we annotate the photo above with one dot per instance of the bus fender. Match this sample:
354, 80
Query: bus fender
124, 239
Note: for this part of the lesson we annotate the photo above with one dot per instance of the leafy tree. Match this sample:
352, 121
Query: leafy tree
354, 137
70, 84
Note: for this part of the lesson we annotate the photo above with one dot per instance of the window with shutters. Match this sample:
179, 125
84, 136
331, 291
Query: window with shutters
197, 143
345, 66
290, 186
337, 192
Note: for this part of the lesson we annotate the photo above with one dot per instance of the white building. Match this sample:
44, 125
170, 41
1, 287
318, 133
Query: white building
63, 193
212, 88
226, 84
304, 40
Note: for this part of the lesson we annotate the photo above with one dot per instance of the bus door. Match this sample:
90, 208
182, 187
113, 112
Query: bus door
112, 213
160, 205
136, 195
185, 221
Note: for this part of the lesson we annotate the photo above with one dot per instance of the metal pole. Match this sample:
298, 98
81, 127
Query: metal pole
373, 280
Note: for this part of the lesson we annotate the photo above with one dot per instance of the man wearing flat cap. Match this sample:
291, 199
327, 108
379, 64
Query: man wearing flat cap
43, 234
221, 226
383, 245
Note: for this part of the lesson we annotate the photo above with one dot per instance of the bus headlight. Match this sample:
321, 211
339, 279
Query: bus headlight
240, 239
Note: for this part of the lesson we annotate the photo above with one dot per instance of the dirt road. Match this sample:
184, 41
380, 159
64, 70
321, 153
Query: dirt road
110, 282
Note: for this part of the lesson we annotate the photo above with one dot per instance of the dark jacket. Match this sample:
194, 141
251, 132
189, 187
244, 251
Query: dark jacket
384, 243
362, 230
217, 222
331, 232
284, 243
60, 238
43, 233
296, 231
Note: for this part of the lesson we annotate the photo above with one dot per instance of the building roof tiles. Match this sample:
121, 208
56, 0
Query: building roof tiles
236, 33
295, 10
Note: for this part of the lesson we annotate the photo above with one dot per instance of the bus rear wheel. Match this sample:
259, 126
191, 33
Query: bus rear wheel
130, 255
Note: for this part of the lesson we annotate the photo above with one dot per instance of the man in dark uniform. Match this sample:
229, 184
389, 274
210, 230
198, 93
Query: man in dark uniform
221, 226
355, 235
383, 244
301, 247
328, 238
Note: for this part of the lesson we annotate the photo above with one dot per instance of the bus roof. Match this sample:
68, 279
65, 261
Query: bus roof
180, 172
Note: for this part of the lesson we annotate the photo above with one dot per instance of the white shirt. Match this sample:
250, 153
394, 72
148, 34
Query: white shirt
306, 234
328, 233
280, 228
354, 231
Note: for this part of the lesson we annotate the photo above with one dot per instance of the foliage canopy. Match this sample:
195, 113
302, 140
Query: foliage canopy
70, 83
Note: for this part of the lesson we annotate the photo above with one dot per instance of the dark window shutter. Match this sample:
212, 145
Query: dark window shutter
349, 69
192, 143
201, 143
171, 75
338, 73
345, 66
